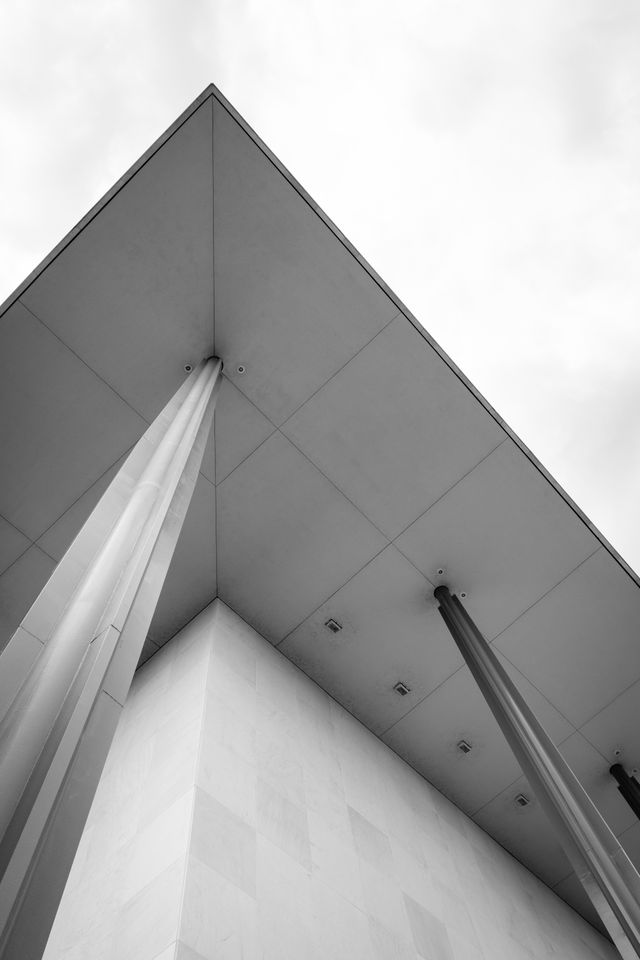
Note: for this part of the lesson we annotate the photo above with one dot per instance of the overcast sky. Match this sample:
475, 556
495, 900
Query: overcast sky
483, 155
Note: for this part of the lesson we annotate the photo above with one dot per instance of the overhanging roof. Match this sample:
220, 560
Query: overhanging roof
350, 462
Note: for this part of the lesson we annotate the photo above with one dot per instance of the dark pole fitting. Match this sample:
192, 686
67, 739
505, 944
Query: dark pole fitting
628, 787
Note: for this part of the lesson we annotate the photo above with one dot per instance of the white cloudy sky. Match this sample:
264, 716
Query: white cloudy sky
484, 155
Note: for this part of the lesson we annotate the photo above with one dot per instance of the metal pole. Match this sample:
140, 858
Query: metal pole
628, 787
599, 861
87, 628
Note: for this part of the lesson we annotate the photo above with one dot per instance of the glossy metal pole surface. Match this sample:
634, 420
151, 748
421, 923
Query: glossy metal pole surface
599, 861
84, 635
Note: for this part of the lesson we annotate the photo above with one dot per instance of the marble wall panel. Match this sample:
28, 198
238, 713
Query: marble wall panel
225, 842
218, 918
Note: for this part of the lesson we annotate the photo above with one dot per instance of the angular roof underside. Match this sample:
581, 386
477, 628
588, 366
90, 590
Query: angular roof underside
349, 463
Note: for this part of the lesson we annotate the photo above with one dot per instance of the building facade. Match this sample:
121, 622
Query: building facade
383, 661
244, 813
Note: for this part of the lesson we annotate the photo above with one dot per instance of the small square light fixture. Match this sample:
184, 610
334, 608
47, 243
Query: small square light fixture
401, 688
332, 625
521, 800
464, 746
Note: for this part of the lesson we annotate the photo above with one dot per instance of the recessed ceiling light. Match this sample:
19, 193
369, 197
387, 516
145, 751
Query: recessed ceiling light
333, 625
401, 688
188, 367
241, 369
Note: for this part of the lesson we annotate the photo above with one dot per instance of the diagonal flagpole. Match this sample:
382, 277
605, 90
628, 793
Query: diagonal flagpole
602, 866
